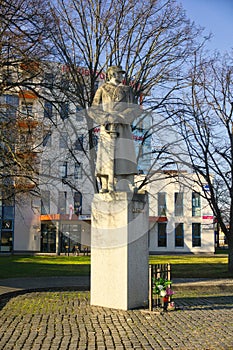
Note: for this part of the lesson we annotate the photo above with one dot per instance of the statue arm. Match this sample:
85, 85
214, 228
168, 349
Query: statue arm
97, 98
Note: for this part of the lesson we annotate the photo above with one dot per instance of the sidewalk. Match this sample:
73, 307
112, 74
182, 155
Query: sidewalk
20, 285
35, 321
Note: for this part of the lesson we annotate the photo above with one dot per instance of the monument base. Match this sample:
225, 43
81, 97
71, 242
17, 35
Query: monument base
119, 250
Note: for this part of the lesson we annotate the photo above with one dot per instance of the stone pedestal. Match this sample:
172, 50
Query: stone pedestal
119, 250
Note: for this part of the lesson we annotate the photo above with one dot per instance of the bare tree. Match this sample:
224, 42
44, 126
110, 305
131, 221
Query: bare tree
206, 127
152, 40
23, 43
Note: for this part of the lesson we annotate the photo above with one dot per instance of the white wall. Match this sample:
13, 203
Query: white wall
163, 183
27, 224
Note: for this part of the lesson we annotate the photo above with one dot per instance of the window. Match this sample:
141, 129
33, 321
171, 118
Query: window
78, 172
178, 203
49, 80
79, 143
62, 202
27, 108
63, 170
63, 140
162, 204
48, 110
45, 202
179, 235
94, 140
9, 105
64, 110
65, 83
45, 167
47, 140
196, 204
162, 234
196, 235
78, 203
79, 114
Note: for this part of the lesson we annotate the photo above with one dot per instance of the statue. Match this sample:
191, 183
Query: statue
114, 108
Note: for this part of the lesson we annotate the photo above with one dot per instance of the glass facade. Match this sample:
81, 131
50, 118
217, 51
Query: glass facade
70, 238
48, 238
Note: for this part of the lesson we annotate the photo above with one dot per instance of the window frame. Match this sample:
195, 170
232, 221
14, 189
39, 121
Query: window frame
196, 199
179, 235
162, 234
179, 203
162, 204
196, 235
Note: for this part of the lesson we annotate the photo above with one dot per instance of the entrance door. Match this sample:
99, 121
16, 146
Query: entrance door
48, 238
70, 237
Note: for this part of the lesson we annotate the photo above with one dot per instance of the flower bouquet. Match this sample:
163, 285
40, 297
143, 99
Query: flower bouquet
163, 292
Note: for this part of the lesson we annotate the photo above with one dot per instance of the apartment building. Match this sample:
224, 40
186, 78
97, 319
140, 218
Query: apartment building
50, 206
50, 188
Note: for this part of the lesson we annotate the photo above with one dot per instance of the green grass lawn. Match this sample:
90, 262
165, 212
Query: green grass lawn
41, 266
183, 266
192, 266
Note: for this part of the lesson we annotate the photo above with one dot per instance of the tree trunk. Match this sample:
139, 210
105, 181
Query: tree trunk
230, 254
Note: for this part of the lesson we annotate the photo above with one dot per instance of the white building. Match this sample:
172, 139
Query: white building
181, 220
56, 217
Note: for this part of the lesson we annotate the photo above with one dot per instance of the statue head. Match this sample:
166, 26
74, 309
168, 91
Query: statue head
115, 72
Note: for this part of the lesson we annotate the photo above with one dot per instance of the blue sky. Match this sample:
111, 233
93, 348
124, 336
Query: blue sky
217, 17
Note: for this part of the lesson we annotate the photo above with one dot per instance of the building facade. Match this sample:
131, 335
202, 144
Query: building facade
51, 184
181, 220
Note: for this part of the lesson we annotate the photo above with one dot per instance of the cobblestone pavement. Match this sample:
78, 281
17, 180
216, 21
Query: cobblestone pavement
65, 320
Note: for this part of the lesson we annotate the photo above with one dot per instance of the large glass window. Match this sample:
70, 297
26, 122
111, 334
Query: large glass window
6, 227
64, 110
78, 171
178, 203
27, 108
62, 202
49, 80
63, 170
179, 235
48, 238
70, 238
162, 204
47, 140
162, 234
45, 202
9, 105
45, 167
196, 234
79, 143
48, 110
196, 204
79, 114
78, 203
63, 140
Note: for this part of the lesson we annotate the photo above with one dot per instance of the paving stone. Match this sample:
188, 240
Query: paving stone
199, 324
